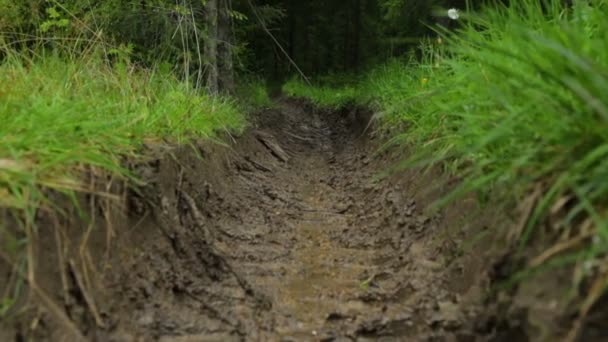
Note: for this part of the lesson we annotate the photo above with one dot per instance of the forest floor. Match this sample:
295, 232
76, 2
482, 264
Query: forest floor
289, 235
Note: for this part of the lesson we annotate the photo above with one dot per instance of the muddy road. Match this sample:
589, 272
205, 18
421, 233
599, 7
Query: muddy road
290, 237
285, 234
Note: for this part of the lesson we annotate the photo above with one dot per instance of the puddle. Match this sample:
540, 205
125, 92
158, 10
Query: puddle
325, 279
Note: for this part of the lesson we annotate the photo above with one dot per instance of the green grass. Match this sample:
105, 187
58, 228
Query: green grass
253, 94
61, 116
321, 95
516, 100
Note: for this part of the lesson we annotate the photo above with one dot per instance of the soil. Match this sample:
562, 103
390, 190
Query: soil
289, 233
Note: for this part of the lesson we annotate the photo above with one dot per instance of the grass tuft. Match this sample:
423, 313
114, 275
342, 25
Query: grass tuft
57, 115
253, 93
320, 95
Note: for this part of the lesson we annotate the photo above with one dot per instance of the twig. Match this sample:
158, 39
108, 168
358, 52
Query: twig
559, 248
270, 143
298, 137
62, 262
527, 208
197, 216
595, 292
82, 249
109, 227
86, 295
48, 302
257, 165
255, 12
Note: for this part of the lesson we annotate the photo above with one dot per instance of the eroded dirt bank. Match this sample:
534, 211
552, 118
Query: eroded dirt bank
287, 235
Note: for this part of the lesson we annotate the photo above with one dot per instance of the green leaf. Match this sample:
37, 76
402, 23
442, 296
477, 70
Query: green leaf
52, 12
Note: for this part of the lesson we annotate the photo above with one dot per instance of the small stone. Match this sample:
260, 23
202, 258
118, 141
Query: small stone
146, 320
423, 219
449, 315
342, 208
336, 316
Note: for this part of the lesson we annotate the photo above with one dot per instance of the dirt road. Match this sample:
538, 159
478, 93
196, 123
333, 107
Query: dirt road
289, 238
285, 234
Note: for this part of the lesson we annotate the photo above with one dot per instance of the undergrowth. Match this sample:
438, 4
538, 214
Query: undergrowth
322, 95
516, 102
253, 94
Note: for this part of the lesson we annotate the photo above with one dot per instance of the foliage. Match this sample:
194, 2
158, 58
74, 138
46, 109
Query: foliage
253, 93
158, 30
346, 36
321, 95
515, 101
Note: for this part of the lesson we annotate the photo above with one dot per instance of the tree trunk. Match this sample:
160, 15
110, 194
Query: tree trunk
292, 19
346, 47
211, 46
224, 46
357, 38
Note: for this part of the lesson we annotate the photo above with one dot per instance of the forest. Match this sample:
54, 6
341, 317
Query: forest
282, 170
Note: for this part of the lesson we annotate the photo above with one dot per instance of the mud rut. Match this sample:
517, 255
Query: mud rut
287, 237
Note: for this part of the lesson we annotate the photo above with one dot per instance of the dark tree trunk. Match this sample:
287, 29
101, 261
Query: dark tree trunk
357, 37
211, 46
218, 47
292, 29
346, 48
224, 46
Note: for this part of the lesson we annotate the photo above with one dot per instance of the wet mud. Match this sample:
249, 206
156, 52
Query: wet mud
292, 237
